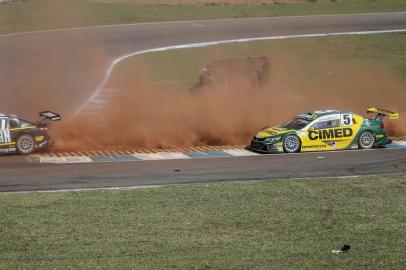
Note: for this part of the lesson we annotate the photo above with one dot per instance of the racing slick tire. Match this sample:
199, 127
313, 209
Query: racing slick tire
25, 144
291, 144
366, 140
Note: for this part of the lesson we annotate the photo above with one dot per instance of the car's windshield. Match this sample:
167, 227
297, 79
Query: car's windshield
297, 123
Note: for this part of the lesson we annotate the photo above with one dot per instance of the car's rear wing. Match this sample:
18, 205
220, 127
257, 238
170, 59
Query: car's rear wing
48, 115
381, 113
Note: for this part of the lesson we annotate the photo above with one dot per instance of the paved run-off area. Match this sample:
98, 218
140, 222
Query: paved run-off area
170, 154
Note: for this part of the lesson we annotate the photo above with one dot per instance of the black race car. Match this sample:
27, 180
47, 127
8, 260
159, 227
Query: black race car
25, 137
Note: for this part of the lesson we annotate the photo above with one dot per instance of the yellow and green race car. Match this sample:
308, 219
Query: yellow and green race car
324, 130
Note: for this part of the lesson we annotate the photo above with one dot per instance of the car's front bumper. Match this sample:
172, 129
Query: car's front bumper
265, 147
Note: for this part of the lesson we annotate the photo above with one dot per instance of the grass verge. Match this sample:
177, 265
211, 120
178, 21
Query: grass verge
247, 225
51, 14
304, 58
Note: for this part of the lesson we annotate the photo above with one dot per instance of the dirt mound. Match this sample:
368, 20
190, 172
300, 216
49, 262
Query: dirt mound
230, 74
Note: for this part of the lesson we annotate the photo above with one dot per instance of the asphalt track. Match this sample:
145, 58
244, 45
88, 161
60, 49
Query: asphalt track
64, 68
19, 175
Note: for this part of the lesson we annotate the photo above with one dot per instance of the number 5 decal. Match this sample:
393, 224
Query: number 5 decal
346, 119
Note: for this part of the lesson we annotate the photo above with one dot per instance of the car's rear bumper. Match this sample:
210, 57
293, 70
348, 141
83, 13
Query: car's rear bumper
44, 144
382, 142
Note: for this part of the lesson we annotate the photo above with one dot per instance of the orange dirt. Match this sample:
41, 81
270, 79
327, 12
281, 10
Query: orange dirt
147, 117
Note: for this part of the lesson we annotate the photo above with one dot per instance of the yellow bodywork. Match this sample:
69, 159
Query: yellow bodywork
324, 130
340, 137
273, 131
392, 115
348, 134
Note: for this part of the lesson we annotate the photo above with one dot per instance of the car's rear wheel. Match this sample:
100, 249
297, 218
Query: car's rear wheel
25, 144
291, 144
366, 140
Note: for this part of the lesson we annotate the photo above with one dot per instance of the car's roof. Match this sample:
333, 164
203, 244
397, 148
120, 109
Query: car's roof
320, 113
8, 115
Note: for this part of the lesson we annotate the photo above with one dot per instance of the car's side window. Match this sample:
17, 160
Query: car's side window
327, 124
13, 123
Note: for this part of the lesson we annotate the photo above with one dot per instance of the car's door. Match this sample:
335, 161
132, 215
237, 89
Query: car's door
350, 124
322, 133
5, 136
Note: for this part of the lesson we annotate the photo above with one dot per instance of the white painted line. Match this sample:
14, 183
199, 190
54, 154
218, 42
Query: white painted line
174, 155
64, 160
396, 145
240, 152
55, 160
83, 189
195, 21
160, 156
211, 43
143, 156
202, 184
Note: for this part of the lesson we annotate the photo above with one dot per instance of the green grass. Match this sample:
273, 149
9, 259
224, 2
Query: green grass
249, 225
50, 14
304, 58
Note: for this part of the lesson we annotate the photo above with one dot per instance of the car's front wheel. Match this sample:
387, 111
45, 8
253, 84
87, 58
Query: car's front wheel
366, 140
25, 144
291, 144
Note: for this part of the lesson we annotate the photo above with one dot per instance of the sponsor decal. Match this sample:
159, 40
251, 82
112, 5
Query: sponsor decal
329, 118
5, 136
325, 134
330, 143
314, 146
3, 123
7, 150
4, 131
346, 119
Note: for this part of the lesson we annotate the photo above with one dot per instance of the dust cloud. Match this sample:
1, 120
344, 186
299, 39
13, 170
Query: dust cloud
50, 71
145, 116
55, 73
